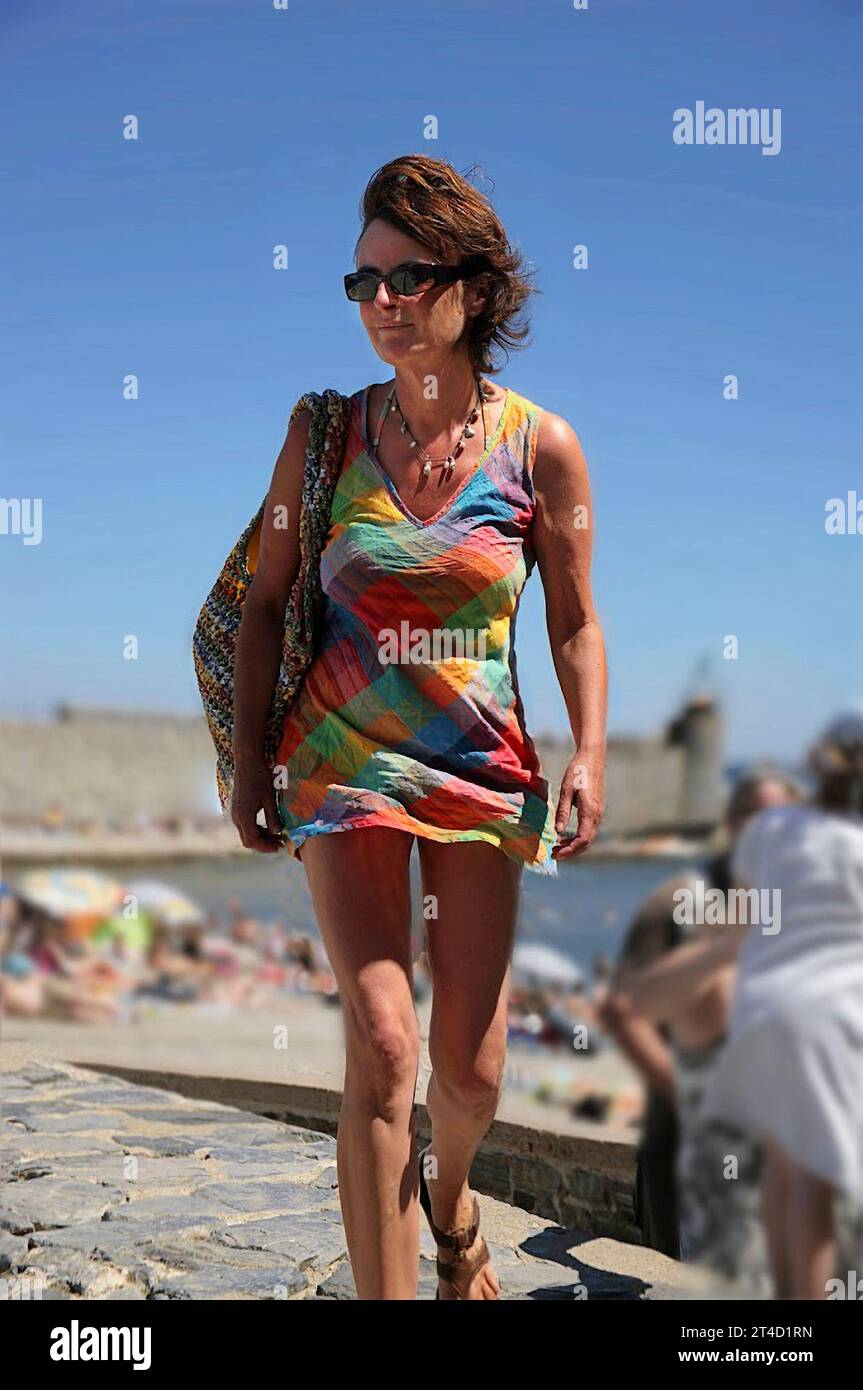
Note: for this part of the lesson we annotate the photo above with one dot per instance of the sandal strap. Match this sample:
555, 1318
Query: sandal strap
462, 1272
463, 1237
460, 1239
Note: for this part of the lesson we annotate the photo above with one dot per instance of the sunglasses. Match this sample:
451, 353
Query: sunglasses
413, 277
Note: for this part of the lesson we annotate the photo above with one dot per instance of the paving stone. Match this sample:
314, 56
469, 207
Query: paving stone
125, 1095
43, 1073
20, 1144
162, 1215
260, 1196
311, 1240
340, 1284
292, 1170
522, 1277
12, 1248
107, 1240
156, 1173
77, 1271
46, 1202
166, 1146
206, 1115
256, 1151
62, 1120
220, 1282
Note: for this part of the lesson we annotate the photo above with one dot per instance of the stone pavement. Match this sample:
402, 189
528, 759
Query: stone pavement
114, 1191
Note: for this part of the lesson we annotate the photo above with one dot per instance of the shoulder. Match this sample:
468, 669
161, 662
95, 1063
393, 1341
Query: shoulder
559, 461
760, 834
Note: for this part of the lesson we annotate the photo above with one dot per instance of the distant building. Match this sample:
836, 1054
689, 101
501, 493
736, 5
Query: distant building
99, 764
106, 763
672, 781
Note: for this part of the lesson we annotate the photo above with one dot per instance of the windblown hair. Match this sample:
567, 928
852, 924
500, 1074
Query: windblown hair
432, 203
839, 770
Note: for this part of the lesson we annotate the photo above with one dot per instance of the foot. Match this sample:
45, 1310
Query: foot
484, 1283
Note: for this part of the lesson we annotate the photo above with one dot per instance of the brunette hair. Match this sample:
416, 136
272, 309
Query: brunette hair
429, 201
839, 770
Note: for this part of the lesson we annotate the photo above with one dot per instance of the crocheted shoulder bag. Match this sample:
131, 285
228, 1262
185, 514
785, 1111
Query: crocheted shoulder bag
218, 623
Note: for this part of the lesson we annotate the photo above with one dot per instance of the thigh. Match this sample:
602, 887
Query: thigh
359, 881
475, 889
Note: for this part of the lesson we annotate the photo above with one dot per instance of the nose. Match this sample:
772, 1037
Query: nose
384, 296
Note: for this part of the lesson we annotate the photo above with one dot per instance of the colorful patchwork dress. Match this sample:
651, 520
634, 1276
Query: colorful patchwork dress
410, 715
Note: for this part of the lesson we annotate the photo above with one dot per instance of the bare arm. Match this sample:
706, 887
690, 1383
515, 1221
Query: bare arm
664, 991
639, 1038
259, 642
641, 1042
563, 542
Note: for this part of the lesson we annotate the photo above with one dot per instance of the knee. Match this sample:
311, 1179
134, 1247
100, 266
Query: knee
383, 1059
475, 1082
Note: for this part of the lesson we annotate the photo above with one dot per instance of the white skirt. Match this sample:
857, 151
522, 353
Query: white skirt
795, 1074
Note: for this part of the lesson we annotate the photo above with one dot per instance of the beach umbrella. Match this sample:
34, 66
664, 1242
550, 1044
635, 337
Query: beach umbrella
166, 902
83, 895
542, 965
134, 932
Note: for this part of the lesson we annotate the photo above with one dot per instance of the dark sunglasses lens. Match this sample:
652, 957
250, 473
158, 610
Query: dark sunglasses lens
363, 285
412, 279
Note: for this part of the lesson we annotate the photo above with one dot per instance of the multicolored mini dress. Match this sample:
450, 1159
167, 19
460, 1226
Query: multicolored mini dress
409, 715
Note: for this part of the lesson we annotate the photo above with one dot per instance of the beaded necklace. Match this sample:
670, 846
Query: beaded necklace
448, 462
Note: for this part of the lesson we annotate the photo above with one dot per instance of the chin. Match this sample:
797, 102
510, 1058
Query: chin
389, 353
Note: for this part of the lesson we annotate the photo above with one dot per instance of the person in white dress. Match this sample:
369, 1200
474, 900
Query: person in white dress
791, 1071
669, 1013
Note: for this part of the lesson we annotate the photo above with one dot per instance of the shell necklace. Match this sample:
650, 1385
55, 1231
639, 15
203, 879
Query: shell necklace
448, 462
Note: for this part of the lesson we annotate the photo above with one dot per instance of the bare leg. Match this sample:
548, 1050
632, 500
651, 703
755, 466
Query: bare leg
800, 1212
774, 1208
360, 887
469, 947
812, 1234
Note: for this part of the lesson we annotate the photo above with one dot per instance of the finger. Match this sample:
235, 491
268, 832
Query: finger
271, 813
264, 841
564, 809
575, 844
567, 851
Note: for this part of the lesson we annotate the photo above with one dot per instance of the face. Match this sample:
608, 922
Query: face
425, 327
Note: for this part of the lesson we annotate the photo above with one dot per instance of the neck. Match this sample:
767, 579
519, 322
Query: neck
443, 413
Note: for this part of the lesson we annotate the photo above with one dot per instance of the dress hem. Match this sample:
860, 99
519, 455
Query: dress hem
296, 839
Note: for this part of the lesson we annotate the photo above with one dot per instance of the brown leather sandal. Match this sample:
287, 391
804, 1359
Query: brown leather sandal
462, 1270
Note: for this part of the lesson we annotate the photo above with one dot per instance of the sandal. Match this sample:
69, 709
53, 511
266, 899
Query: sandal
461, 1271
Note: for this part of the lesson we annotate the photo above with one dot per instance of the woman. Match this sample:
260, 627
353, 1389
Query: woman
668, 1010
409, 723
792, 1071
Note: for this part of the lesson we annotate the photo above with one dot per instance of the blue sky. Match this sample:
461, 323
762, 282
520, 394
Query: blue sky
259, 127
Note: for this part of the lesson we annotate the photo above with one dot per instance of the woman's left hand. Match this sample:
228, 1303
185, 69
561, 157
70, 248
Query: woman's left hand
581, 790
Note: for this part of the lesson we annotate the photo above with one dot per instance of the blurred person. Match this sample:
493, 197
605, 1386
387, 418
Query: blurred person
672, 1040
47, 972
792, 1070
172, 972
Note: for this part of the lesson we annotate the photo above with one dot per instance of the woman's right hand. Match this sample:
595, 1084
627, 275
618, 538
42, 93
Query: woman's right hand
253, 790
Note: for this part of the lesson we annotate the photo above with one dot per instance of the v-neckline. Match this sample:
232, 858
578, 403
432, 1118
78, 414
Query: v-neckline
478, 466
